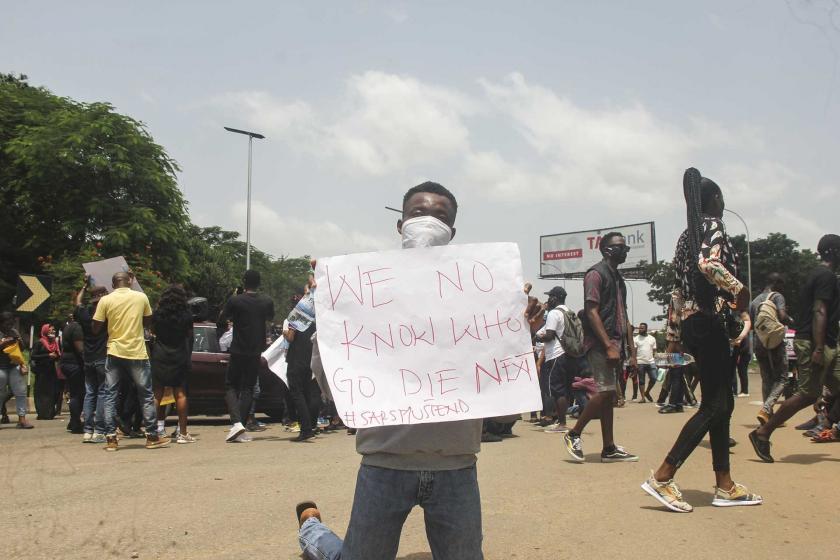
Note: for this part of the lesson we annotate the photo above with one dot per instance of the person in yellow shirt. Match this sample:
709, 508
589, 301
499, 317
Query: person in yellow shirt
126, 312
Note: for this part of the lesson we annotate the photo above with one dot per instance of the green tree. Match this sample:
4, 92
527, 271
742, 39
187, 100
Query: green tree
776, 253
72, 174
218, 261
661, 277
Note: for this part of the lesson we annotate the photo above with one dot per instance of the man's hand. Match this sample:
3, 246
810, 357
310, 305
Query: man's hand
818, 356
613, 356
23, 369
633, 362
742, 300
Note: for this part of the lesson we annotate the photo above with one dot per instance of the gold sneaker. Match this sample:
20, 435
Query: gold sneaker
737, 496
667, 493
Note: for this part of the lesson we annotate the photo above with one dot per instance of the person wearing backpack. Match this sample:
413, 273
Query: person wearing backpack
563, 339
769, 316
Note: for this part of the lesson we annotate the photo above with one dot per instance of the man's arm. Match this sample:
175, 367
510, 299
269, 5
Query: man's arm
631, 344
781, 308
593, 316
227, 310
818, 328
97, 326
546, 336
745, 317
77, 301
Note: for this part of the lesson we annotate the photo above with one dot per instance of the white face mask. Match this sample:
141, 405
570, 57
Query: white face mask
425, 231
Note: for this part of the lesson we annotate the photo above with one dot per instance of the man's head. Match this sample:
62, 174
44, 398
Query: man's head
429, 211
643, 329
775, 282
97, 293
556, 296
614, 248
829, 249
251, 280
121, 280
528, 287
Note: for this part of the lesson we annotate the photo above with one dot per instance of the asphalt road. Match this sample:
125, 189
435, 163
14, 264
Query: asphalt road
63, 499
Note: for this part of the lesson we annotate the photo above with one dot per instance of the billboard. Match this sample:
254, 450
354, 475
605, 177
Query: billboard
570, 255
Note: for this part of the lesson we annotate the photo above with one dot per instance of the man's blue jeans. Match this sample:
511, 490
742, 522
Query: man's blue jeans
141, 372
383, 500
95, 395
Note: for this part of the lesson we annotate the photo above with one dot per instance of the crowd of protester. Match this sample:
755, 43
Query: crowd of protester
115, 359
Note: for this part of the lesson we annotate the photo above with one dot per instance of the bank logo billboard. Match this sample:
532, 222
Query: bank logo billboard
570, 255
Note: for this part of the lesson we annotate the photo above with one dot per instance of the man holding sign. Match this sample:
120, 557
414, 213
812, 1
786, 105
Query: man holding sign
416, 349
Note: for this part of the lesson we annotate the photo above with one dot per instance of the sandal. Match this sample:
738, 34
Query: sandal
826, 436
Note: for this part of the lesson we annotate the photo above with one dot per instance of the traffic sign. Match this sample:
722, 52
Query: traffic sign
33, 293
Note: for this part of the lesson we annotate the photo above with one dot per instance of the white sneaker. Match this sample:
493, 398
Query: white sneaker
185, 438
87, 437
244, 438
235, 431
97, 438
556, 429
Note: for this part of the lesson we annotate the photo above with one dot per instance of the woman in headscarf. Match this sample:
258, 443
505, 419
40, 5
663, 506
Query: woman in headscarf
172, 325
706, 267
45, 355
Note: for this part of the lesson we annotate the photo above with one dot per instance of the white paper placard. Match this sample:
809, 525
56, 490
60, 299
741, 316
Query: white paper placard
426, 335
275, 357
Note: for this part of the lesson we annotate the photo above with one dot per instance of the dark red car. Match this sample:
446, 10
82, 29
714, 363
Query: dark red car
206, 381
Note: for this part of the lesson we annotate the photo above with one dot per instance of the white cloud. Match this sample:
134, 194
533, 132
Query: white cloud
519, 144
290, 235
383, 123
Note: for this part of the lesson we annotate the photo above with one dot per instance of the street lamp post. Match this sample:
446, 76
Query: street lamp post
251, 136
749, 264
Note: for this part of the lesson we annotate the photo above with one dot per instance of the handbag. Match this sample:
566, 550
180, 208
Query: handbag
14, 353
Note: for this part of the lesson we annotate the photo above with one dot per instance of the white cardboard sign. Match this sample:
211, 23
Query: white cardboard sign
426, 335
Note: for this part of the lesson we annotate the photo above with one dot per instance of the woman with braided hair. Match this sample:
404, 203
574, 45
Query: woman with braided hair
706, 267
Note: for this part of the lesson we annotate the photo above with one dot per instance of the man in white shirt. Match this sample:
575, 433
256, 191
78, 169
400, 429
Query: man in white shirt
558, 369
646, 364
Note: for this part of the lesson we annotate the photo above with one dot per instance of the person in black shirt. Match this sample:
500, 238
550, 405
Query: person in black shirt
815, 343
301, 385
72, 366
250, 312
93, 353
172, 324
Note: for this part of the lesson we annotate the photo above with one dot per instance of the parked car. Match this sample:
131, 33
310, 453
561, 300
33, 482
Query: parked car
206, 381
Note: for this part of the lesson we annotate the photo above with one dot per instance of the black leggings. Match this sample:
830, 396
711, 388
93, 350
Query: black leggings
705, 338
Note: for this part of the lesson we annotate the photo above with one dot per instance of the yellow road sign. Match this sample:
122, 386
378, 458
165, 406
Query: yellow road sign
33, 292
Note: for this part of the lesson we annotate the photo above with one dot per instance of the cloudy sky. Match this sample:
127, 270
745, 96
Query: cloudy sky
542, 117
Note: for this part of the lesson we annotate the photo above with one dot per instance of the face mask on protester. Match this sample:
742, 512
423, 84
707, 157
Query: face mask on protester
425, 231
617, 251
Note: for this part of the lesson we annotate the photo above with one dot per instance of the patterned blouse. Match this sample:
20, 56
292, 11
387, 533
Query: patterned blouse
717, 263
